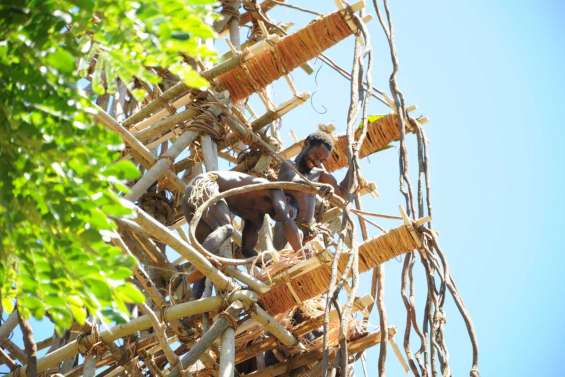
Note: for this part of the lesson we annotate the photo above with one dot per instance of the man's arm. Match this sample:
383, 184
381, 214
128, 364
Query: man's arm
286, 172
282, 214
249, 237
342, 188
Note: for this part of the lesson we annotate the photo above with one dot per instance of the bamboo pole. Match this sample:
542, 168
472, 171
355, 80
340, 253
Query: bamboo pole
161, 333
165, 124
269, 117
271, 325
9, 324
6, 359
173, 92
234, 25
181, 102
138, 150
141, 275
52, 359
227, 354
180, 89
216, 330
255, 284
162, 166
265, 6
15, 351
209, 152
89, 367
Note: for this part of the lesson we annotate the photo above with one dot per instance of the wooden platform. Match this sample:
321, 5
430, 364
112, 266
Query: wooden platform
311, 277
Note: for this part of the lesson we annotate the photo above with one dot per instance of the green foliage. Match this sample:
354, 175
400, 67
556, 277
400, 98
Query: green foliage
58, 179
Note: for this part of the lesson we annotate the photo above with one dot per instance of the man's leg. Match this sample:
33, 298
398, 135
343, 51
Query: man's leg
217, 217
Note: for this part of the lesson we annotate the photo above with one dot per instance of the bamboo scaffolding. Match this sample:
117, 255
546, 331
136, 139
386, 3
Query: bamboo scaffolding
162, 166
163, 234
354, 346
178, 90
138, 150
222, 323
257, 308
52, 359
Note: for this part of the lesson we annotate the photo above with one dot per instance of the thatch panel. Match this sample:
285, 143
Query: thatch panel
284, 56
380, 134
290, 291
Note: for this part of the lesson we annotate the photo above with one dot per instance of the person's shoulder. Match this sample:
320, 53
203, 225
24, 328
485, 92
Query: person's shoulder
288, 164
286, 169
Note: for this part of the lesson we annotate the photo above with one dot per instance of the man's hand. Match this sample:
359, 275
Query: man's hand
326, 191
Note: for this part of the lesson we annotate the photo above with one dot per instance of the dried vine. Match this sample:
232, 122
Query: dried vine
432, 257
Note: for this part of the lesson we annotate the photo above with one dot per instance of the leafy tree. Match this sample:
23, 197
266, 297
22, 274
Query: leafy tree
58, 179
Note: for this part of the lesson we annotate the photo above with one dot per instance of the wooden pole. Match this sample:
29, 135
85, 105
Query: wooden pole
89, 368
178, 90
271, 325
9, 324
270, 116
52, 360
255, 284
209, 152
165, 124
6, 359
227, 354
222, 323
162, 166
181, 102
139, 151
234, 25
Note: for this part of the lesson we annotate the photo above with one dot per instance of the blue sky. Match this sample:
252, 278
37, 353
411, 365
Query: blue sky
488, 75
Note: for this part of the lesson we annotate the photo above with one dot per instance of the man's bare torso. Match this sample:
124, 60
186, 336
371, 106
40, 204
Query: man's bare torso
251, 205
306, 203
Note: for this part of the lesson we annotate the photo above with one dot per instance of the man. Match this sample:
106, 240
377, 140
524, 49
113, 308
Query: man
215, 225
309, 162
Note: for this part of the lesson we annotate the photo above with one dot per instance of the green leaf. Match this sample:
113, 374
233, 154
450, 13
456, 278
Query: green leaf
62, 60
129, 293
202, 2
120, 273
79, 313
123, 169
100, 288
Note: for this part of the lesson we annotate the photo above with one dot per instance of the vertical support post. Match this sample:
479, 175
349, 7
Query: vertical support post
234, 25
217, 330
227, 355
209, 152
89, 369
162, 166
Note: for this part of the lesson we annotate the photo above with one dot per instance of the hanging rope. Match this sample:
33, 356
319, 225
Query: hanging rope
433, 259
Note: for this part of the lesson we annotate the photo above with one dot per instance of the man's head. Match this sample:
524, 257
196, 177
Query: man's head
316, 150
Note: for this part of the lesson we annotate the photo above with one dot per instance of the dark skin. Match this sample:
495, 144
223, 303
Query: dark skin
309, 163
215, 225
